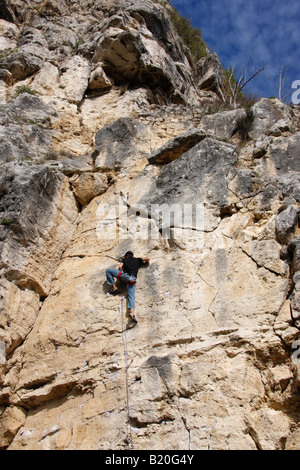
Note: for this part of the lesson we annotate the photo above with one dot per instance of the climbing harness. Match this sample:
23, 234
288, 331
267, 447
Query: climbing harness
124, 338
132, 279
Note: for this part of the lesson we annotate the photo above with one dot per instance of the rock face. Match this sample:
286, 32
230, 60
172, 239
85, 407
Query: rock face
107, 146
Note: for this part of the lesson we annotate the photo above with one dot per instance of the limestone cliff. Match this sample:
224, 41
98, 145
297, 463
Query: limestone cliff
109, 143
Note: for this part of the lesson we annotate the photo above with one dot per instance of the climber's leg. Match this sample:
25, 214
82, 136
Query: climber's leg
131, 299
111, 274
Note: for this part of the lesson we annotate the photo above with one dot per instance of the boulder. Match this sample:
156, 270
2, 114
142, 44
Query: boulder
284, 154
222, 125
286, 223
60, 37
46, 80
24, 130
210, 74
293, 441
294, 249
71, 166
8, 34
99, 80
131, 53
12, 420
74, 79
28, 58
89, 185
271, 117
29, 253
6, 77
117, 144
185, 179
174, 148
289, 183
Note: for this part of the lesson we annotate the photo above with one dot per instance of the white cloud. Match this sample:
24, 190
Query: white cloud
232, 28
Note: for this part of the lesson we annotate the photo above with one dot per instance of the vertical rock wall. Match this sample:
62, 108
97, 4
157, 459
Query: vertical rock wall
139, 165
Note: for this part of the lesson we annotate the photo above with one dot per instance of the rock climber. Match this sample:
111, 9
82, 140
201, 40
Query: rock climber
128, 271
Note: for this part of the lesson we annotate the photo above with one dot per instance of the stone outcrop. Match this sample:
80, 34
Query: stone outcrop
210, 74
177, 146
25, 129
107, 144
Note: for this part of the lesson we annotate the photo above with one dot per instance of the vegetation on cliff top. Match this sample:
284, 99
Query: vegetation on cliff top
191, 36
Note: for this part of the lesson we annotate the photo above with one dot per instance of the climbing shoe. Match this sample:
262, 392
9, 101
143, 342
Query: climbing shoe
132, 317
114, 291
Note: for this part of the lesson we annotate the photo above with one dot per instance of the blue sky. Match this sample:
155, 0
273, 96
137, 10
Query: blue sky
235, 28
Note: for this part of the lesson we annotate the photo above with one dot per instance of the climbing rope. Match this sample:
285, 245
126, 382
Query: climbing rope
124, 339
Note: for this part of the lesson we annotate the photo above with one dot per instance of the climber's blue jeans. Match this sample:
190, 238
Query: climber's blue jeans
111, 274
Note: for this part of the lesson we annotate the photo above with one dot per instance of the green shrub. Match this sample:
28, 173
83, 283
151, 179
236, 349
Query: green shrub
24, 89
5, 221
191, 36
7, 52
50, 155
